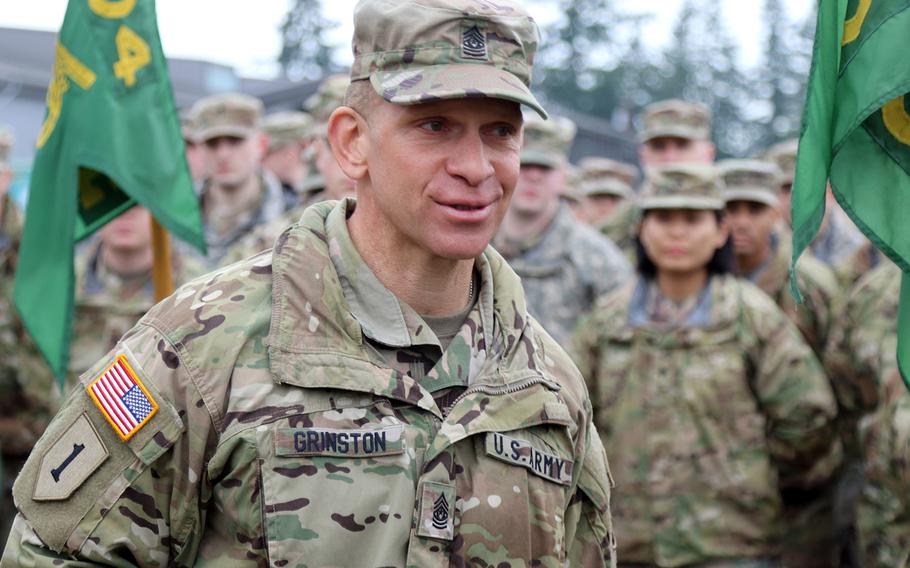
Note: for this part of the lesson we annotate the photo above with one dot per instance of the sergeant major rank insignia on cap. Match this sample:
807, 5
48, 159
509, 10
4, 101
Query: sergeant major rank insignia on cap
122, 398
473, 43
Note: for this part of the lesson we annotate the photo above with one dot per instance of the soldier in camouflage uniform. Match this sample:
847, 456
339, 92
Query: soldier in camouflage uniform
762, 255
605, 184
327, 182
114, 287
564, 265
239, 195
861, 361
289, 136
195, 152
707, 399
372, 391
28, 397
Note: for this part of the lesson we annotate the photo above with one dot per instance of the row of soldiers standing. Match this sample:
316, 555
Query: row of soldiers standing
573, 235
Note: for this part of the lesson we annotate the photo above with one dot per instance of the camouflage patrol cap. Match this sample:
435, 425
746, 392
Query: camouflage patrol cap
547, 142
415, 51
6, 144
286, 127
783, 155
571, 191
188, 126
750, 180
328, 97
603, 176
677, 119
683, 186
232, 114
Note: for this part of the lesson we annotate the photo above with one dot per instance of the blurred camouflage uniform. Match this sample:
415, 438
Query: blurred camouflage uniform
602, 176
814, 535
863, 261
707, 409
237, 116
566, 267
861, 360
283, 128
752, 180
289, 428
26, 406
107, 305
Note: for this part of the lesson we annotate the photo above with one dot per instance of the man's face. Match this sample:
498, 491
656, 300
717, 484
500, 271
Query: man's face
233, 161
665, 150
285, 161
599, 207
751, 224
129, 232
538, 189
196, 159
337, 184
681, 240
440, 174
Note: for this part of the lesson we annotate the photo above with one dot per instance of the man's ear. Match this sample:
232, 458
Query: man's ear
348, 139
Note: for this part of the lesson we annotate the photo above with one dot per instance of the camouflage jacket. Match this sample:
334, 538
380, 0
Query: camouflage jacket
839, 239
107, 306
565, 271
284, 437
863, 261
817, 284
704, 424
28, 397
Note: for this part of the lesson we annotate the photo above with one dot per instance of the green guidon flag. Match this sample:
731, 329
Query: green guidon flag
856, 133
111, 139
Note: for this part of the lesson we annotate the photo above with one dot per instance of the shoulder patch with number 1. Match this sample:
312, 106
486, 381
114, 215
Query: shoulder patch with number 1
122, 398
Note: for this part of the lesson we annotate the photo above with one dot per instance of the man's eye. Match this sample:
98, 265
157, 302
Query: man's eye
503, 131
433, 126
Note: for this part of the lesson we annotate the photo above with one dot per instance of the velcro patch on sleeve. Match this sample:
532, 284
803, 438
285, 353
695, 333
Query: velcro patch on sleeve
339, 443
122, 398
72, 458
520, 452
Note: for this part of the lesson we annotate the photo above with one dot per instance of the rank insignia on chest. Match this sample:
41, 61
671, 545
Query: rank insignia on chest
437, 502
520, 452
122, 398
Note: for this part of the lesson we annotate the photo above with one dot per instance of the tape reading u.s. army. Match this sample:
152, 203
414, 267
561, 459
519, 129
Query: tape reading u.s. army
339, 443
521, 452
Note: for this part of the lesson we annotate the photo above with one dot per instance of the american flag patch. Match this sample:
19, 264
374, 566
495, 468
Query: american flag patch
122, 398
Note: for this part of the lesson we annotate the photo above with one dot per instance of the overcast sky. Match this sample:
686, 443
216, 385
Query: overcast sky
244, 34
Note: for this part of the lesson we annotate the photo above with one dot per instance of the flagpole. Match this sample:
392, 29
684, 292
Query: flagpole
162, 276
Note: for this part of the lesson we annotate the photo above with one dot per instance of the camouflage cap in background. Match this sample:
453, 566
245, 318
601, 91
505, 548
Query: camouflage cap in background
286, 127
683, 186
783, 155
547, 142
233, 114
6, 144
676, 119
571, 191
188, 126
415, 51
603, 176
329, 96
750, 180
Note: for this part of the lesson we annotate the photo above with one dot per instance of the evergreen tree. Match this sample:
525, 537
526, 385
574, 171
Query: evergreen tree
306, 52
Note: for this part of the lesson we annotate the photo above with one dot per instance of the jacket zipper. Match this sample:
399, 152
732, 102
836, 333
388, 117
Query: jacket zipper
501, 389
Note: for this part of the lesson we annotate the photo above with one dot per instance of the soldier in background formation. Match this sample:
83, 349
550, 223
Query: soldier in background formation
606, 186
709, 402
289, 136
114, 286
195, 151
564, 265
28, 394
239, 194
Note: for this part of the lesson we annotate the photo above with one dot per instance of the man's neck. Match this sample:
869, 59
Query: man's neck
127, 262
431, 285
746, 265
522, 227
226, 205
680, 286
